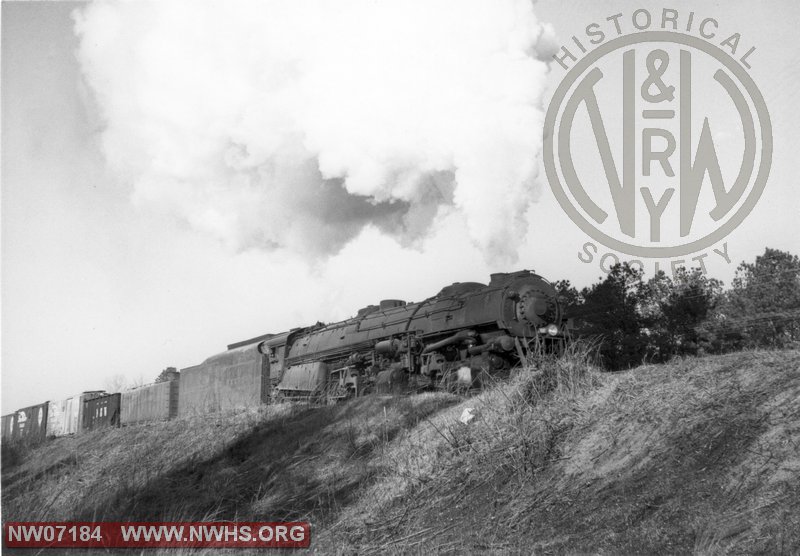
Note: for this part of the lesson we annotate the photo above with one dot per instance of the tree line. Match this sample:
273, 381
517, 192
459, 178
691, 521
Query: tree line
636, 320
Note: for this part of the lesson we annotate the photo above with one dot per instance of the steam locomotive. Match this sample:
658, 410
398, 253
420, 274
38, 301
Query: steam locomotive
453, 339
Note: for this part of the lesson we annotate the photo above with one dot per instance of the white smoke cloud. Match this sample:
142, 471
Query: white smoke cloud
294, 124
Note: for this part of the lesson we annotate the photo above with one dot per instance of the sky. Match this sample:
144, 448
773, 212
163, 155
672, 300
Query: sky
175, 180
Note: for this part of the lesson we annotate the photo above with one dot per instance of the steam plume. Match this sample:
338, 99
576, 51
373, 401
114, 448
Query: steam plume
294, 124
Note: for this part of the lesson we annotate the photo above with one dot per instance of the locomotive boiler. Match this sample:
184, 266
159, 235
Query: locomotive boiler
453, 339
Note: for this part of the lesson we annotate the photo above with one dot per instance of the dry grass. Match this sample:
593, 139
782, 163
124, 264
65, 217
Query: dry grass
282, 461
438, 469
700, 455
697, 456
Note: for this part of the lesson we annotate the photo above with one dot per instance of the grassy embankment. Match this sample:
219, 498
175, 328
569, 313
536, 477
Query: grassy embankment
699, 455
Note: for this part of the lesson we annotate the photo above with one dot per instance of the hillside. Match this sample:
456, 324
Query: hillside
698, 455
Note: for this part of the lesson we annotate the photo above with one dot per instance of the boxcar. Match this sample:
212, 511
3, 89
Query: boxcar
8, 426
153, 402
101, 412
66, 416
30, 423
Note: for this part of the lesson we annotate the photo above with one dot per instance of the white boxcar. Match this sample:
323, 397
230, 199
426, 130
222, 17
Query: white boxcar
66, 416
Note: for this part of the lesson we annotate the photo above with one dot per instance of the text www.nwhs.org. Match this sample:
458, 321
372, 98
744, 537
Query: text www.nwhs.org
157, 535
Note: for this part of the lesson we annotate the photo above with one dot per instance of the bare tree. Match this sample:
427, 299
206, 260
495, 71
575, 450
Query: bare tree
115, 383
119, 382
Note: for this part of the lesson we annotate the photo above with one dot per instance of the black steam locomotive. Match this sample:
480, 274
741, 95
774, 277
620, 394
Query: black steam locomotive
453, 339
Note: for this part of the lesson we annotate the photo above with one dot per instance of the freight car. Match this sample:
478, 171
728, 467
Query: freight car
30, 423
8, 426
101, 412
66, 416
152, 402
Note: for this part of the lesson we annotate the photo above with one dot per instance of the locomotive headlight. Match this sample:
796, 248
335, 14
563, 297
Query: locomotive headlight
552, 329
